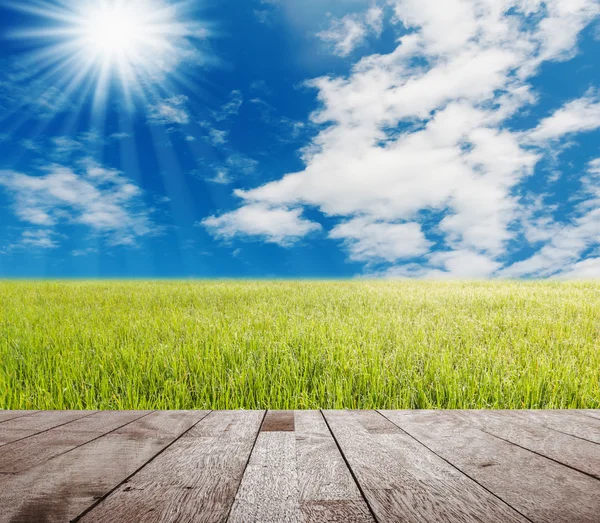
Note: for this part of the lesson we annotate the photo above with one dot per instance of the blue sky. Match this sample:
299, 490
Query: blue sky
300, 138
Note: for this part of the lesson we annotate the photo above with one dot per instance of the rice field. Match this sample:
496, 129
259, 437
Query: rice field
299, 345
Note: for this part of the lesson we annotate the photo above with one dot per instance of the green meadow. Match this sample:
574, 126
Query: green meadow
299, 345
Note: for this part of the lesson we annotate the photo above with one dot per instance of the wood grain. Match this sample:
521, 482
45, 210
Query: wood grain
7, 415
157, 467
567, 422
194, 480
541, 489
328, 492
63, 487
25, 426
403, 481
298, 476
573, 452
26, 453
592, 413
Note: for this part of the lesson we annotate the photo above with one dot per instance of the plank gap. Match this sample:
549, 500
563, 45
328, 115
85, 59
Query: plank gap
358, 485
456, 468
100, 499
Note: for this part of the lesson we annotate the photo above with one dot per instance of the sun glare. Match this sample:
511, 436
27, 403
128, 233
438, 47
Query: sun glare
115, 31
138, 43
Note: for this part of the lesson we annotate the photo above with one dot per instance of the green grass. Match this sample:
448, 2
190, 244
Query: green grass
354, 344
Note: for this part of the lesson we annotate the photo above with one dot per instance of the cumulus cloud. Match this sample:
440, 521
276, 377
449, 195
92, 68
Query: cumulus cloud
169, 111
368, 241
347, 33
271, 224
421, 133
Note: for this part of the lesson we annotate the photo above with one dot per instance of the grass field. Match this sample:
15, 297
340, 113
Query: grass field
354, 344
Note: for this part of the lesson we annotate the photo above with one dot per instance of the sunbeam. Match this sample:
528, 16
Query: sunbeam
133, 44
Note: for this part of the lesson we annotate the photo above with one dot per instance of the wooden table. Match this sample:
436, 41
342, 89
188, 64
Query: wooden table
302, 466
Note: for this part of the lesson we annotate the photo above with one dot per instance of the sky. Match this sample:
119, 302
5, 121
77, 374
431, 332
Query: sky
439, 139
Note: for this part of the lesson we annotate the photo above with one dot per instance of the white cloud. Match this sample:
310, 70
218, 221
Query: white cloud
41, 239
221, 177
217, 137
576, 116
236, 164
169, 111
79, 253
464, 264
565, 243
271, 224
375, 241
347, 33
101, 199
423, 129
584, 270
63, 145
241, 164
231, 108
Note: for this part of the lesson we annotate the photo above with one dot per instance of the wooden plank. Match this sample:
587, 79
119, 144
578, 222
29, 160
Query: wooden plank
7, 415
26, 426
26, 453
573, 452
592, 413
403, 481
106, 421
565, 421
64, 487
328, 491
541, 489
269, 491
194, 480
298, 476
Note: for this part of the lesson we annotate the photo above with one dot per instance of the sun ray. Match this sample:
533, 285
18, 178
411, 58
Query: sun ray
126, 43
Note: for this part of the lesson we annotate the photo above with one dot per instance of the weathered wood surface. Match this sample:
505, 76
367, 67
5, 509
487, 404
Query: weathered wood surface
20, 455
195, 479
580, 424
67, 485
22, 427
7, 415
541, 489
581, 455
404, 481
297, 474
303, 466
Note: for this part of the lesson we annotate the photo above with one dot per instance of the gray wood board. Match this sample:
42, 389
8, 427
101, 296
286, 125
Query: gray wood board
20, 455
541, 489
26, 426
298, 476
564, 448
65, 486
404, 481
195, 479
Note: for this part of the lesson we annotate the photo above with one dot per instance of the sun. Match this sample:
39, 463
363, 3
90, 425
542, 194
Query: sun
136, 44
112, 31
